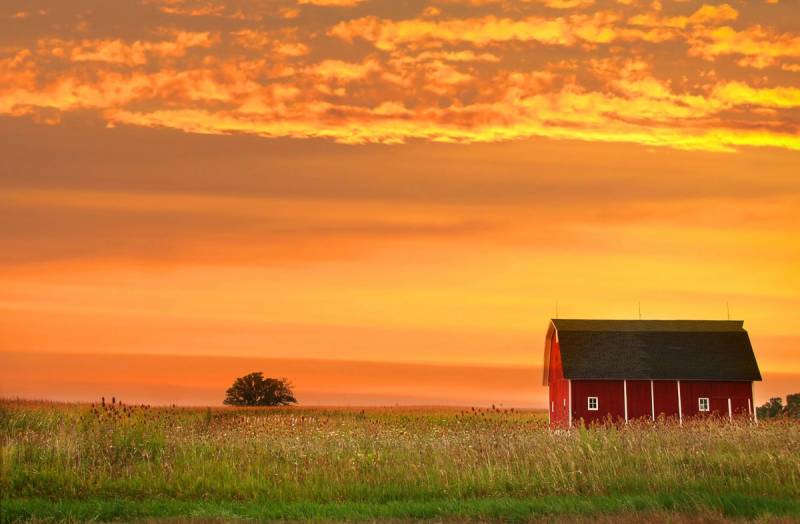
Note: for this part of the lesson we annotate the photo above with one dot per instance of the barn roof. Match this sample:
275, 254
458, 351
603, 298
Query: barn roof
656, 349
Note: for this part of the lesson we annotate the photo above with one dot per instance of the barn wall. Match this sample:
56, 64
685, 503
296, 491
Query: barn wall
639, 405
559, 388
666, 397
610, 396
718, 392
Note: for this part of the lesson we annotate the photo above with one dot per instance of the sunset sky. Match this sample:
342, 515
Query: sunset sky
385, 201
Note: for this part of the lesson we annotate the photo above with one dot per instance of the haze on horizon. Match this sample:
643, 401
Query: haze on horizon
385, 201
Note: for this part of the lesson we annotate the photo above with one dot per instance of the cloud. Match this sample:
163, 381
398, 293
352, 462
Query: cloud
125, 53
740, 94
197, 8
634, 107
758, 46
568, 4
647, 114
289, 13
440, 78
446, 56
705, 15
277, 43
206, 10
330, 3
601, 27
341, 71
389, 34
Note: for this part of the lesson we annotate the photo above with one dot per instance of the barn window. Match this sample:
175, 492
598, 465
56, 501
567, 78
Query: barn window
565, 402
552, 406
702, 403
592, 403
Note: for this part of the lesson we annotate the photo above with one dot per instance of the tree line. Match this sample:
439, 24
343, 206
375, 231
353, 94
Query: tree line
776, 408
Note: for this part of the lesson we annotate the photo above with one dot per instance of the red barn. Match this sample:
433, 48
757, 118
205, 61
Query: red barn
628, 369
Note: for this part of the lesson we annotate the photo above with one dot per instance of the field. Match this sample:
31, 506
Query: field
81, 462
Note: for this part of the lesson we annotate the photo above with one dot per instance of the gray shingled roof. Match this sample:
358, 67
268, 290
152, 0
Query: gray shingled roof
656, 349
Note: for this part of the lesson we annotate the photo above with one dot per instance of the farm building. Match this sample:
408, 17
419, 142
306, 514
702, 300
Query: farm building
628, 369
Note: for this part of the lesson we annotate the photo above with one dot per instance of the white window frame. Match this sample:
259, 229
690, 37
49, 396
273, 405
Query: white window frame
589, 403
700, 404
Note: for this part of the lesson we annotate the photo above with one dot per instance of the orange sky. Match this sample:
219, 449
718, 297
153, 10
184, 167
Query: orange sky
365, 194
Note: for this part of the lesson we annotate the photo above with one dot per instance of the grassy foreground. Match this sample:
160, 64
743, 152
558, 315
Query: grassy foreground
76, 462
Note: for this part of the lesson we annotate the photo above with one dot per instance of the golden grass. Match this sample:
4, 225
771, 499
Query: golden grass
392, 455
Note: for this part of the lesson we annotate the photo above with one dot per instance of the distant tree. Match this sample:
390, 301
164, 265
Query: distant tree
255, 390
773, 408
793, 405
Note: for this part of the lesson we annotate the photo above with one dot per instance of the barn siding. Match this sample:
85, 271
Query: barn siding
718, 393
639, 399
559, 388
666, 397
610, 396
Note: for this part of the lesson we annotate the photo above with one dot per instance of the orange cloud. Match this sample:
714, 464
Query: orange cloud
648, 114
637, 108
597, 28
206, 10
283, 43
331, 3
567, 4
438, 79
446, 56
389, 34
707, 14
758, 46
739, 94
197, 8
289, 12
715, 14
125, 53
342, 71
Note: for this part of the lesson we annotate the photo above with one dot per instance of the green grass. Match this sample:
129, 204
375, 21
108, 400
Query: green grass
508, 509
70, 462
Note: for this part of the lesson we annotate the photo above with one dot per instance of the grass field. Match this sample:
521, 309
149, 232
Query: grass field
77, 462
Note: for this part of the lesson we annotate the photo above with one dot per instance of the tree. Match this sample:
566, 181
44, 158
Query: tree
793, 405
255, 390
773, 408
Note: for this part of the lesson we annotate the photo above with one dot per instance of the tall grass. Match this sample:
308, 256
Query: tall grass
381, 456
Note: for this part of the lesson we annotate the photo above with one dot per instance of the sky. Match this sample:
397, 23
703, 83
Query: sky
384, 201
